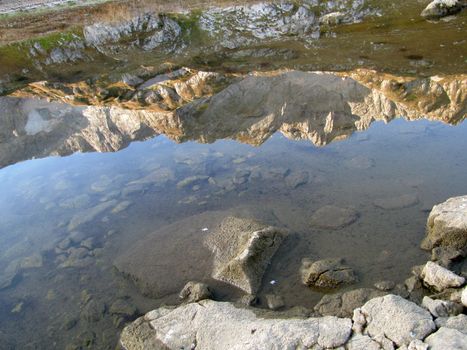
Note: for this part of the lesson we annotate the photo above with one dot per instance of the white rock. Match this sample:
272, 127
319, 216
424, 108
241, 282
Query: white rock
362, 342
417, 345
413, 322
441, 8
439, 277
447, 338
217, 325
458, 322
464, 297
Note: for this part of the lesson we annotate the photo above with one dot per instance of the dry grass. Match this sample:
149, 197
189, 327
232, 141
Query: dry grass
122, 10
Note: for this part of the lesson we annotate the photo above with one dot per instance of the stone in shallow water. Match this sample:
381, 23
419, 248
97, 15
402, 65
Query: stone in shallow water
195, 291
447, 225
243, 250
332, 217
399, 202
326, 273
274, 301
213, 325
90, 214
413, 322
440, 278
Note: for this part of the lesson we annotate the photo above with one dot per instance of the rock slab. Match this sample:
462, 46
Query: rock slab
213, 325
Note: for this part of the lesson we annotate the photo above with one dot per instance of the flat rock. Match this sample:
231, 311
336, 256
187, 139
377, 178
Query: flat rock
343, 304
216, 325
439, 277
447, 338
242, 250
441, 8
398, 202
447, 225
332, 217
413, 322
326, 273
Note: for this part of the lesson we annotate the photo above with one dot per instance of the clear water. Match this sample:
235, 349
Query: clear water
43, 200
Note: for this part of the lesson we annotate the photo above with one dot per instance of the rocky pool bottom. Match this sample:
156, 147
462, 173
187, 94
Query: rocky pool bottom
427, 311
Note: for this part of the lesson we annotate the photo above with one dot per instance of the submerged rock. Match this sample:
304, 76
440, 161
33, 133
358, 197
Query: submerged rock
274, 301
296, 179
327, 273
447, 225
332, 217
439, 277
90, 214
441, 8
242, 251
215, 325
399, 202
399, 320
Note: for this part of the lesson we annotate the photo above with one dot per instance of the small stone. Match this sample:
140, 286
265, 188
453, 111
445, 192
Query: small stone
88, 243
417, 344
122, 206
464, 297
385, 285
332, 18
440, 278
362, 342
195, 291
274, 301
123, 308
327, 273
441, 308
191, 181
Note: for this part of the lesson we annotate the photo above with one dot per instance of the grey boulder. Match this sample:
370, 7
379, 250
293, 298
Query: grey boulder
395, 318
326, 273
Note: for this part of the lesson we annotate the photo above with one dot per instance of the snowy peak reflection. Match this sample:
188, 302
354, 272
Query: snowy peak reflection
204, 107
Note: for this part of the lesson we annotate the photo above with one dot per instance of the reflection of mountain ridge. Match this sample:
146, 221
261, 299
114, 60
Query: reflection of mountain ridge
200, 106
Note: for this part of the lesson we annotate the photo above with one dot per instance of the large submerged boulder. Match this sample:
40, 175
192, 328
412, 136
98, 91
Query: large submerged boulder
447, 225
218, 325
242, 251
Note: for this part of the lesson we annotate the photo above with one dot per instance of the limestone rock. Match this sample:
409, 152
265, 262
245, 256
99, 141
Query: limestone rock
458, 322
332, 217
417, 344
213, 325
464, 297
447, 338
195, 291
441, 308
399, 202
362, 342
440, 278
243, 250
327, 273
343, 304
441, 8
413, 322
447, 225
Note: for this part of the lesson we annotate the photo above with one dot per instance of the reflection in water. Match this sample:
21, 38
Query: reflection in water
320, 107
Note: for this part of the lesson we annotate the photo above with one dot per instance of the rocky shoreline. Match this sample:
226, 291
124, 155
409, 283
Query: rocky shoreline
426, 312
